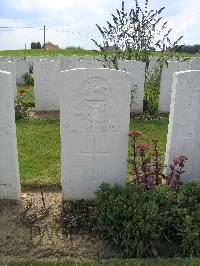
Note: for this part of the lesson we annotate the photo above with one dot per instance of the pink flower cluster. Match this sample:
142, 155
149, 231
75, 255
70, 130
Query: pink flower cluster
180, 160
134, 134
142, 147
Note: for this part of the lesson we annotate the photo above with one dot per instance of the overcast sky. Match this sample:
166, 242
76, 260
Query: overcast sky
72, 22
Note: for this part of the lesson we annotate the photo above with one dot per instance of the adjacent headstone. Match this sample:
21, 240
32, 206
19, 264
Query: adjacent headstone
5, 58
195, 64
9, 169
22, 67
88, 63
68, 62
9, 66
184, 123
137, 71
153, 62
46, 85
32, 59
166, 82
95, 114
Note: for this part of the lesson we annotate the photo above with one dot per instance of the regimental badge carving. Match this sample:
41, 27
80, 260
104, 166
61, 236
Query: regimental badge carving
95, 92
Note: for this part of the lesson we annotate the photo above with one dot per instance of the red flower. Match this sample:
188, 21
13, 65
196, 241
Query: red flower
180, 160
21, 91
134, 134
142, 147
184, 157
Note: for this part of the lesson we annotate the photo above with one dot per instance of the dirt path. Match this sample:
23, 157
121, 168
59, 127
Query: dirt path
16, 239
32, 113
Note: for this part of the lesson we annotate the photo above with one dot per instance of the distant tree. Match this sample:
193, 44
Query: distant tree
189, 49
39, 46
35, 45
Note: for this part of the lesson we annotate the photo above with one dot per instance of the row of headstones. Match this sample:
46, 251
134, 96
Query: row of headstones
47, 71
95, 117
46, 86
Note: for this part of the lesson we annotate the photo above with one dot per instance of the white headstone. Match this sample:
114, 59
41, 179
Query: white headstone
46, 85
184, 123
153, 62
166, 83
5, 58
95, 114
9, 66
9, 169
137, 70
22, 67
195, 64
32, 59
54, 58
68, 62
88, 63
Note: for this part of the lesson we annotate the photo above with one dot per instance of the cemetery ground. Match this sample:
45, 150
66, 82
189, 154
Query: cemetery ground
39, 160
38, 138
144, 262
34, 229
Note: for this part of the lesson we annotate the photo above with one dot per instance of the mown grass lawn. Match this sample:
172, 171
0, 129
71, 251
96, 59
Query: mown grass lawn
68, 52
39, 147
39, 151
40, 52
144, 262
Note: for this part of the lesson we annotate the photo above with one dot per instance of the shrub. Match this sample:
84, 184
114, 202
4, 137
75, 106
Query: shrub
77, 217
152, 89
188, 197
139, 223
148, 218
22, 103
133, 34
28, 77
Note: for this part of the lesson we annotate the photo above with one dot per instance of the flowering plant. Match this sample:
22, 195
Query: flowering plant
22, 102
21, 91
147, 167
28, 77
173, 179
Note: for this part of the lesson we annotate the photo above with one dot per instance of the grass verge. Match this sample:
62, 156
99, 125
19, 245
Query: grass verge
39, 151
136, 262
39, 147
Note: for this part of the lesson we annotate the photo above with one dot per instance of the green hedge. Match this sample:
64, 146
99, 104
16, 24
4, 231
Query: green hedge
146, 224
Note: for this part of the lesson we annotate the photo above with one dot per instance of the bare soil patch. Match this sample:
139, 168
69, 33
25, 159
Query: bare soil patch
32, 113
45, 239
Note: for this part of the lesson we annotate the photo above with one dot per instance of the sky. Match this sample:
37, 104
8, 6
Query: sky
72, 22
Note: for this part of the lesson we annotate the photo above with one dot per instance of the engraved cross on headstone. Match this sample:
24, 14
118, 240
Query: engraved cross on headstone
94, 154
95, 96
197, 133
